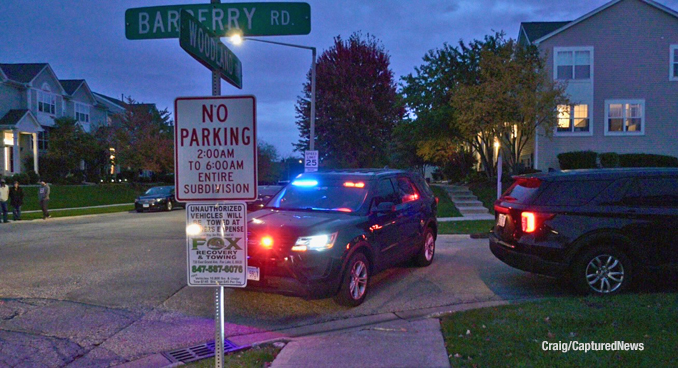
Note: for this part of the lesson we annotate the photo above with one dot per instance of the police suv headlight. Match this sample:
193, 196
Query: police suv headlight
315, 242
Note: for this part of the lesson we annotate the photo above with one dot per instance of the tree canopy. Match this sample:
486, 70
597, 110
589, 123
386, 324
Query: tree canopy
69, 146
357, 105
481, 92
143, 138
267, 163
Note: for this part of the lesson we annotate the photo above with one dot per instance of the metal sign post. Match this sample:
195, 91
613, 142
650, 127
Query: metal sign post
219, 297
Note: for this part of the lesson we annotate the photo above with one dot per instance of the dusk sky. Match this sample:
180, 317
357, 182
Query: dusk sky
85, 39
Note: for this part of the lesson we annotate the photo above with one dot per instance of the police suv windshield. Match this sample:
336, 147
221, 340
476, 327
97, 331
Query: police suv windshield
321, 195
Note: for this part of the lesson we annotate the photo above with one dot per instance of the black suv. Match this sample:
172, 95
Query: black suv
327, 233
596, 227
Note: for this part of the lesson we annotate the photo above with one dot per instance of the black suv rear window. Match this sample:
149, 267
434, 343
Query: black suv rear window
571, 193
522, 190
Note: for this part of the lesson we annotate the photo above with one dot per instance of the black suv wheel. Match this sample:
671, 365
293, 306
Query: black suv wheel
601, 270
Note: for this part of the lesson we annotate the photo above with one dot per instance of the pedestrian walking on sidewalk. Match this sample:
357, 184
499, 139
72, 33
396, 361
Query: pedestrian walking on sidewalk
4, 196
43, 196
16, 199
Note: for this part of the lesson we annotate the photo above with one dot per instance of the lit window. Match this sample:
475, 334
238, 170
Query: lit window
624, 117
573, 119
573, 63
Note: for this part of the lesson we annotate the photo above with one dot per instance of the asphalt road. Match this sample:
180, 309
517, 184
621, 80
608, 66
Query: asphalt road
110, 289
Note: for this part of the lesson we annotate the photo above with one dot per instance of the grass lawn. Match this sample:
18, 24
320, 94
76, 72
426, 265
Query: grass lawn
256, 357
76, 212
445, 206
69, 196
465, 227
515, 335
486, 191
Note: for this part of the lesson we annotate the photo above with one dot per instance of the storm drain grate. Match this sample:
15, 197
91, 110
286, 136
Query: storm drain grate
199, 352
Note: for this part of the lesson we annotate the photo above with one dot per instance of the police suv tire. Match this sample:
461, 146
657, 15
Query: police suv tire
428, 249
354, 282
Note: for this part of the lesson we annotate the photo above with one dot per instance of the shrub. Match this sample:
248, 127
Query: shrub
647, 160
578, 160
22, 178
609, 159
459, 166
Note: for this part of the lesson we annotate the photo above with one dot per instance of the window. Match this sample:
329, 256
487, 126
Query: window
624, 117
573, 119
573, 63
47, 102
653, 192
673, 63
43, 139
406, 190
571, 193
82, 112
384, 193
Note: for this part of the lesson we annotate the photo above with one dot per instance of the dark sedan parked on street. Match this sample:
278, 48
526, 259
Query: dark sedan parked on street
327, 233
596, 227
157, 199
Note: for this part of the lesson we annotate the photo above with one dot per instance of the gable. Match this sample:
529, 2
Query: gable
46, 77
22, 120
78, 90
595, 13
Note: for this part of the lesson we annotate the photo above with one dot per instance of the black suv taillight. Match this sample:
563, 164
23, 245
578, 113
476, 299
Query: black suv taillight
531, 221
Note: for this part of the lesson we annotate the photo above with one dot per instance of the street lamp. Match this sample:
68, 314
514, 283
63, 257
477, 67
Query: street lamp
237, 39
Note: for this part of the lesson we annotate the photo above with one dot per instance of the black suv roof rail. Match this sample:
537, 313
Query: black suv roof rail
602, 173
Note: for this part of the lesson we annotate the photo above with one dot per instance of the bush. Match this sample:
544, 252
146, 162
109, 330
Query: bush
22, 178
578, 160
647, 160
459, 166
609, 159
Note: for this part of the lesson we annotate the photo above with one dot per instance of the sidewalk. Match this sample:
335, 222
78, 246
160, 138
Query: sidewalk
400, 339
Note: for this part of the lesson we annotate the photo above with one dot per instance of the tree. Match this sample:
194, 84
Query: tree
357, 104
143, 138
404, 147
536, 97
69, 146
267, 162
427, 94
473, 94
512, 98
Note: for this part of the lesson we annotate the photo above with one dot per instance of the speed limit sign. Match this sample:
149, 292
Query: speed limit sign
310, 161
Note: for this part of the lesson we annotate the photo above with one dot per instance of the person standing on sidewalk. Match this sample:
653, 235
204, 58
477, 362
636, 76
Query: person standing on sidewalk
43, 196
16, 199
4, 196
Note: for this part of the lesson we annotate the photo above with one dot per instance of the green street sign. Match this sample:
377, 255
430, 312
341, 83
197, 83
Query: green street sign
249, 19
205, 46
